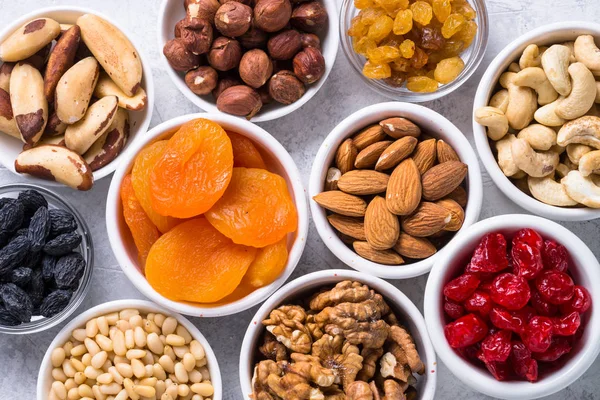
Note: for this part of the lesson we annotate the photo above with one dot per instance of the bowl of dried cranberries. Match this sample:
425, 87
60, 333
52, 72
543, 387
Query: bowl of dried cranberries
509, 307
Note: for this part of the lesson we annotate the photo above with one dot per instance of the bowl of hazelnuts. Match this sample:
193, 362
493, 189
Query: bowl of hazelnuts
259, 59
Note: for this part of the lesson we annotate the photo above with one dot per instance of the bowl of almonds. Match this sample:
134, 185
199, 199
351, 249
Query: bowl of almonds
391, 185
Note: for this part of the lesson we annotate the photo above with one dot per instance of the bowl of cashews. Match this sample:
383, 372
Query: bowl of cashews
537, 121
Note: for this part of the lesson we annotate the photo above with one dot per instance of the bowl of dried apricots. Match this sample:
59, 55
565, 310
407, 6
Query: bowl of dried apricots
207, 215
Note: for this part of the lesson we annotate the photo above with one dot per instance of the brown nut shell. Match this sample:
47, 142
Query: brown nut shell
29, 105
111, 143
309, 17
285, 87
225, 83
310, 40
255, 68
8, 124
225, 54
5, 70
284, 45
309, 65
254, 38
196, 34
239, 100
272, 15
233, 19
60, 60
54, 127
202, 80
179, 57
205, 9
29, 39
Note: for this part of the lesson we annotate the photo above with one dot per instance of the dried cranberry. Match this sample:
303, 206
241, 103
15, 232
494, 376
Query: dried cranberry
461, 288
490, 254
470, 352
529, 236
566, 325
510, 291
496, 347
580, 302
480, 303
501, 370
555, 287
523, 365
504, 319
538, 334
465, 331
541, 306
559, 347
486, 286
453, 310
527, 260
525, 313
555, 256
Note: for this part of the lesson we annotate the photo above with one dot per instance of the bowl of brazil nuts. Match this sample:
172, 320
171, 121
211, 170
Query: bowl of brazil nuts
129, 349
74, 93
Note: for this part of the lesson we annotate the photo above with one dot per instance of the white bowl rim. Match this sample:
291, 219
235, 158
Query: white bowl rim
111, 306
483, 381
147, 77
332, 275
345, 129
139, 281
330, 55
481, 140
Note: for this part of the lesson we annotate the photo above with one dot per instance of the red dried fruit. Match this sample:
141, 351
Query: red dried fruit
541, 306
559, 347
566, 325
501, 370
580, 302
470, 352
465, 331
504, 319
530, 237
522, 363
538, 334
479, 302
510, 291
496, 347
453, 310
555, 287
490, 254
461, 288
527, 260
525, 313
555, 256
486, 286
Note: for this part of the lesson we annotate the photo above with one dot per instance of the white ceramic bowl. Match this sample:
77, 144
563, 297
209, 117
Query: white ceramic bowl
45, 374
429, 121
278, 160
138, 120
586, 272
407, 313
545, 35
172, 11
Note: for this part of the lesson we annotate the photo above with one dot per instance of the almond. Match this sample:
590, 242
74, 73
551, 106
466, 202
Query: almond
367, 158
445, 152
404, 188
399, 127
441, 180
331, 179
363, 182
345, 156
342, 203
456, 211
395, 153
381, 226
387, 257
349, 226
428, 218
368, 136
414, 247
459, 195
425, 155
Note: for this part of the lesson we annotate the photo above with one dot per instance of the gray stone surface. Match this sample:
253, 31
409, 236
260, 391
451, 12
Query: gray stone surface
301, 133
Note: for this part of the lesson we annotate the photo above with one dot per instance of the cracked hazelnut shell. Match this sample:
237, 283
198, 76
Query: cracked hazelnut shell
239, 100
195, 33
233, 19
272, 15
225, 54
255, 68
254, 38
309, 65
310, 40
201, 80
205, 9
179, 57
285, 87
225, 83
309, 17
284, 45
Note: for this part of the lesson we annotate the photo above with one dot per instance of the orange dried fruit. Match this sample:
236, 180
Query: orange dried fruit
140, 176
142, 229
267, 266
193, 171
256, 209
245, 154
195, 262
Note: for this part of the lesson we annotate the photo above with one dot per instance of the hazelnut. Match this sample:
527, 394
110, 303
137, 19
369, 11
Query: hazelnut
205, 9
201, 80
253, 39
309, 65
246, 2
272, 15
285, 88
225, 54
225, 83
284, 45
309, 17
265, 96
233, 19
310, 40
239, 100
179, 57
196, 34
255, 68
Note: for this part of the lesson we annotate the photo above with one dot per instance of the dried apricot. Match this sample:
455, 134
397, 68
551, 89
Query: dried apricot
195, 262
256, 209
245, 154
193, 171
140, 177
267, 266
142, 230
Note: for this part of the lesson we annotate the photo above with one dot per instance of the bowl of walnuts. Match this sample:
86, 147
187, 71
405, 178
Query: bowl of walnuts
259, 59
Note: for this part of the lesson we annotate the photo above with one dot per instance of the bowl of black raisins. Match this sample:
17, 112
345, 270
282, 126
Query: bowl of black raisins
46, 259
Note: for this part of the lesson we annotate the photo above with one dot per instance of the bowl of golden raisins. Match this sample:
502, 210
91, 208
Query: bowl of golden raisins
414, 50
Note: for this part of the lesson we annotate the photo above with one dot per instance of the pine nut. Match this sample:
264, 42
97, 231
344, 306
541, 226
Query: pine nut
166, 396
122, 395
169, 326
57, 357
70, 384
68, 346
85, 391
92, 372
168, 350
112, 388
104, 342
86, 359
121, 360
128, 384
154, 343
102, 325
123, 325
167, 363
99, 359
91, 328
119, 344
59, 375
78, 350
138, 368
151, 327
135, 354
107, 364
59, 390
78, 365
98, 395
139, 336
128, 313
203, 389
205, 373
112, 318
92, 346
79, 378
149, 370
117, 377
195, 376
159, 319
73, 394
183, 390
79, 334
150, 316
181, 373
148, 358
189, 362
104, 378
197, 397
201, 363
197, 350
158, 372
135, 321
125, 370
172, 391
160, 388
129, 339
180, 351
144, 391
175, 340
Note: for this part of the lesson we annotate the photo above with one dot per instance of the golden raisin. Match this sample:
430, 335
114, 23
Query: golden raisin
448, 70
376, 71
419, 59
383, 54
441, 9
452, 25
392, 40
380, 28
357, 27
467, 33
464, 8
362, 4
403, 22
391, 6
363, 45
397, 79
400, 65
422, 12
407, 48
421, 84
370, 15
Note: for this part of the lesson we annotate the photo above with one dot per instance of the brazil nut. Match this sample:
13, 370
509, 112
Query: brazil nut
5, 70
110, 144
75, 89
29, 39
29, 104
107, 87
60, 60
80, 136
54, 127
8, 124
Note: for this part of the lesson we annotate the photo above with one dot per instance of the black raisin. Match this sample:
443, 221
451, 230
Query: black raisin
32, 200
69, 270
21, 276
17, 302
11, 216
36, 288
48, 266
61, 221
7, 319
62, 244
33, 260
55, 303
39, 228
12, 254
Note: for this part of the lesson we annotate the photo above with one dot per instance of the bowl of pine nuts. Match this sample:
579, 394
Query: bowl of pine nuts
129, 349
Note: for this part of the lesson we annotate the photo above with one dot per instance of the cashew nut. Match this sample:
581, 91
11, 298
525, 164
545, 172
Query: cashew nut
548, 191
514, 67
571, 47
522, 105
582, 189
589, 163
506, 79
584, 130
536, 164
535, 78
555, 62
562, 170
546, 115
597, 92
596, 179
505, 158
569, 164
557, 149
530, 57
587, 52
500, 100
538, 136
494, 119
582, 96
575, 151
